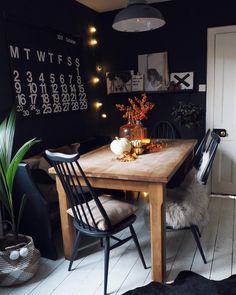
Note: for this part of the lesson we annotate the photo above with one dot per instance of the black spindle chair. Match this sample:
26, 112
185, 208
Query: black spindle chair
201, 149
163, 129
92, 215
192, 207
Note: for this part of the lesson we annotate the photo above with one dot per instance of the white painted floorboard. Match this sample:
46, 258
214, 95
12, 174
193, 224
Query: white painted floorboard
125, 269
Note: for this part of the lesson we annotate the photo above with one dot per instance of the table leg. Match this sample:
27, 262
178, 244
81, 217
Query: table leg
67, 227
158, 234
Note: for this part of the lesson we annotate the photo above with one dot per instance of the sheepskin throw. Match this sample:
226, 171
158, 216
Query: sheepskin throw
187, 204
189, 283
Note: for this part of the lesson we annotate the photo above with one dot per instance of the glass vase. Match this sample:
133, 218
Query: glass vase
127, 130
140, 132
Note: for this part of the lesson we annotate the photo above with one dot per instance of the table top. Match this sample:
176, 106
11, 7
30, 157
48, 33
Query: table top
151, 167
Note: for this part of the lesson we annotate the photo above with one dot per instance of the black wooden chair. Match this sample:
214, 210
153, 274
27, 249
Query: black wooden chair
100, 217
186, 206
163, 129
201, 149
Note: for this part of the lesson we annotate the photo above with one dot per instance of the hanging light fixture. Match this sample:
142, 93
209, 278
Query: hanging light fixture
138, 16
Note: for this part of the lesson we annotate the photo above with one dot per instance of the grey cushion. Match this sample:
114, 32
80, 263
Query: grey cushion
116, 210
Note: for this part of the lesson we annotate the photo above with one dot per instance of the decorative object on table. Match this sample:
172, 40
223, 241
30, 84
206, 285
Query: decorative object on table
138, 146
19, 259
120, 145
136, 111
154, 67
183, 81
188, 282
138, 16
137, 82
127, 130
187, 114
119, 82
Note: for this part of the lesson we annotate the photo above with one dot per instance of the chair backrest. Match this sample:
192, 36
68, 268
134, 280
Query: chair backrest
211, 151
163, 129
78, 190
200, 150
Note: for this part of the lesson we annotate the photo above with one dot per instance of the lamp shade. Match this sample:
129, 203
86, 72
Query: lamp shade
138, 16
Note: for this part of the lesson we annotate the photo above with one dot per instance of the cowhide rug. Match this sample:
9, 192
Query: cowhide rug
189, 283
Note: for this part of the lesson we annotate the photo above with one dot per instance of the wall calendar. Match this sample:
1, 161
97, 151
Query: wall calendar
46, 70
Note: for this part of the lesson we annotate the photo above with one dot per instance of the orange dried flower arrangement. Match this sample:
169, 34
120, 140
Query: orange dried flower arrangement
139, 108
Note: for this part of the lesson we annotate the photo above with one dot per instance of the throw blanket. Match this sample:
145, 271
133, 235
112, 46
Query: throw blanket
189, 283
188, 203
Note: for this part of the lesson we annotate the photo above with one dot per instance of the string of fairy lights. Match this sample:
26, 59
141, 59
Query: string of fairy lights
92, 42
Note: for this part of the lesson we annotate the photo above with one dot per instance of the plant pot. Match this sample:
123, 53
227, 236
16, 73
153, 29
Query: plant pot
17, 270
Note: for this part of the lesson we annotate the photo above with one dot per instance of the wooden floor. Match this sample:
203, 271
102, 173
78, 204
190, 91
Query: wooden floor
126, 271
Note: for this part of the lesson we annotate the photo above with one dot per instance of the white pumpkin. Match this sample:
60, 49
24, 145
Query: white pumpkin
120, 145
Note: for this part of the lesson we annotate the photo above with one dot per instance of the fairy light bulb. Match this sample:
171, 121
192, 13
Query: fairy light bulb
93, 42
104, 116
145, 194
99, 68
92, 29
98, 105
95, 80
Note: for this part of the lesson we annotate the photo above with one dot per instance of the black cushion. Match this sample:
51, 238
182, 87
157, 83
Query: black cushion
189, 283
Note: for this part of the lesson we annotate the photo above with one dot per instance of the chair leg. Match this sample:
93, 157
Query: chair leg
106, 265
138, 196
134, 236
76, 246
101, 242
198, 231
195, 234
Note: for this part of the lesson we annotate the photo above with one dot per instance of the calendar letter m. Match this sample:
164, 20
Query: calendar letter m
14, 51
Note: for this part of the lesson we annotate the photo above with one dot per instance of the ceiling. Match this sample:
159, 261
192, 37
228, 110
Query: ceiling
108, 5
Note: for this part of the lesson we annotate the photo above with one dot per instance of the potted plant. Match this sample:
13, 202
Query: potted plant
187, 114
19, 258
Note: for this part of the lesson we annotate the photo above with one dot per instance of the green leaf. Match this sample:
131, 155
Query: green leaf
11, 171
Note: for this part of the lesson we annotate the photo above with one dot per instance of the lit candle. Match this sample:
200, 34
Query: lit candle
146, 140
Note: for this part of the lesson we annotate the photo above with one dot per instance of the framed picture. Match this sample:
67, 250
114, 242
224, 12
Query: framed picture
137, 82
183, 80
154, 67
119, 82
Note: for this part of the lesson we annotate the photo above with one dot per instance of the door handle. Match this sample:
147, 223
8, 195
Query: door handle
221, 132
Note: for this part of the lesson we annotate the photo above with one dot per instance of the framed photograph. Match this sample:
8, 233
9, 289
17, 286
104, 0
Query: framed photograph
154, 67
119, 82
137, 82
183, 80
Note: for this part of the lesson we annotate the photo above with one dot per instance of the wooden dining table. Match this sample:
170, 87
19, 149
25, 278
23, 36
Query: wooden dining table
150, 173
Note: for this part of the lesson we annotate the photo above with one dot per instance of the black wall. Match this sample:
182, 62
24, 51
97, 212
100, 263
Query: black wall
66, 16
184, 37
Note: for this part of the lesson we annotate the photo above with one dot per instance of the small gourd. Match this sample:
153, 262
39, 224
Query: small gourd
120, 145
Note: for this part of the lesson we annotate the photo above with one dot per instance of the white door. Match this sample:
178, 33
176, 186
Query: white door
221, 105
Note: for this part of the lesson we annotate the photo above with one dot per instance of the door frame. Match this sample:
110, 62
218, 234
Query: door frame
211, 35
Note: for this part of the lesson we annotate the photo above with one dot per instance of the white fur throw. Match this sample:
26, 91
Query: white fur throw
187, 204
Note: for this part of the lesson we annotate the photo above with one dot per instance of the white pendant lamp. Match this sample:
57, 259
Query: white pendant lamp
138, 16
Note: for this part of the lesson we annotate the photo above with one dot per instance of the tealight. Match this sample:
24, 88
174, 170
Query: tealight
146, 140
